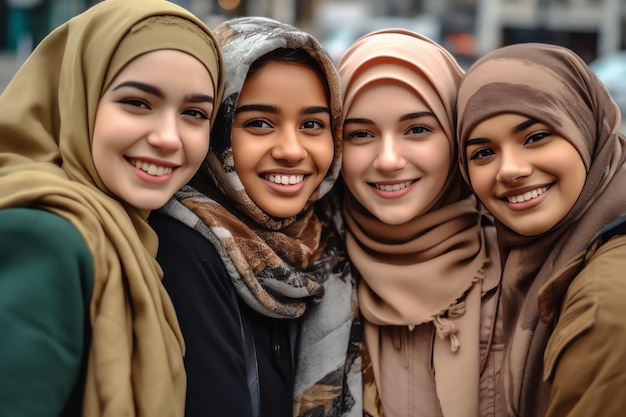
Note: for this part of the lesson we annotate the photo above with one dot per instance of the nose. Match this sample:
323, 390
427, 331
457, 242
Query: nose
514, 166
289, 147
165, 134
390, 157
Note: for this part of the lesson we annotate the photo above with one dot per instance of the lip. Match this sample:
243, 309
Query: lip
539, 193
155, 164
390, 190
286, 182
154, 161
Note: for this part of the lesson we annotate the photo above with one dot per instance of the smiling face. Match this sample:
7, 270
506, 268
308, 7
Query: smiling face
152, 127
282, 139
526, 174
396, 156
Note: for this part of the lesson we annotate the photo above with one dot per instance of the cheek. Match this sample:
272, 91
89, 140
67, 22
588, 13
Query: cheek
436, 159
480, 181
197, 146
355, 161
324, 155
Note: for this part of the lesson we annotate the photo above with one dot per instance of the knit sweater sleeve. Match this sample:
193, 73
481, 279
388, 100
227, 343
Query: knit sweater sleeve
206, 305
46, 277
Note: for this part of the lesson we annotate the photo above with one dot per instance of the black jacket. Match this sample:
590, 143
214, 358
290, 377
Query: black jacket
221, 363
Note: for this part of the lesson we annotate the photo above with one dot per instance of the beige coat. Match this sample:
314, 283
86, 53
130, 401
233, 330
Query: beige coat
407, 381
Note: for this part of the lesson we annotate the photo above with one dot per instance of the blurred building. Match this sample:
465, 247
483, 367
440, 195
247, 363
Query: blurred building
592, 28
471, 28
468, 28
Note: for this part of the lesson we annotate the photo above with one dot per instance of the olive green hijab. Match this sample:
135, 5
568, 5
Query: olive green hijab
47, 116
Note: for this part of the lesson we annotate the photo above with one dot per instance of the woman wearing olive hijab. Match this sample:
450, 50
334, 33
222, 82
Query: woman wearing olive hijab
109, 116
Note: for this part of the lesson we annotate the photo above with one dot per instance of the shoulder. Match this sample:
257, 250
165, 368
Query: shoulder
37, 222
583, 359
46, 277
603, 273
593, 307
58, 245
176, 238
191, 263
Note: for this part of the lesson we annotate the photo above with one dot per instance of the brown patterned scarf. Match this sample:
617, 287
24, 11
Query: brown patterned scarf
553, 85
281, 267
277, 265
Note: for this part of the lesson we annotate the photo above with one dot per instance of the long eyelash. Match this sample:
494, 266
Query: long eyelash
321, 123
355, 133
423, 127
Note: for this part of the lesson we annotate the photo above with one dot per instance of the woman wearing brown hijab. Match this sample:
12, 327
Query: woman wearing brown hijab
109, 116
424, 255
540, 145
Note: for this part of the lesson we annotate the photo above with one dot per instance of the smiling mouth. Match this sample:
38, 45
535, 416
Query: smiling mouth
152, 169
393, 187
528, 195
285, 179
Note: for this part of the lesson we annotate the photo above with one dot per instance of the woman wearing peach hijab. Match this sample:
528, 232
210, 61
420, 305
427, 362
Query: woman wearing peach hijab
424, 255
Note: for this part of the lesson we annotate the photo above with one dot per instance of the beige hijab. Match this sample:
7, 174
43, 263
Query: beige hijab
421, 271
555, 86
47, 117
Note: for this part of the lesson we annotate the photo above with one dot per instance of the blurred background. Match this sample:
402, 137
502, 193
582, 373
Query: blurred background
595, 29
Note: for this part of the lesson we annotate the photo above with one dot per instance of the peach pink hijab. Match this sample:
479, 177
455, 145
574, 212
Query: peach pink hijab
422, 271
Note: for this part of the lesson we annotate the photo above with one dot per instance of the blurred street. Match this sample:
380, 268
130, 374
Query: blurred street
8, 66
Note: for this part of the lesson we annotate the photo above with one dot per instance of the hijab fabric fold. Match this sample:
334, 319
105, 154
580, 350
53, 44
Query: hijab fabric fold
47, 115
553, 85
421, 271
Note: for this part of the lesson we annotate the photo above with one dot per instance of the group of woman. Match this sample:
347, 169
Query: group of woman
224, 222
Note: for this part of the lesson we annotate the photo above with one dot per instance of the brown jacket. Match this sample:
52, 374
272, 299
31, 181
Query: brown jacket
585, 359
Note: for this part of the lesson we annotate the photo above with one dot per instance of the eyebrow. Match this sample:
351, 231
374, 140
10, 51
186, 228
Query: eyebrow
519, 128
524, 125
150, 89
359, 121
275, 110
476, 141
403, 118
416, 115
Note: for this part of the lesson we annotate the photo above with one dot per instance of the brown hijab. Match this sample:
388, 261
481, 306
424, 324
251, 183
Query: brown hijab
419, 272
47, 115
553, 85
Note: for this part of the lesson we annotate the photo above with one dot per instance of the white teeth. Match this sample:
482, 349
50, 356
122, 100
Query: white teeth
285, 179
394, 187
151, 169
529, 195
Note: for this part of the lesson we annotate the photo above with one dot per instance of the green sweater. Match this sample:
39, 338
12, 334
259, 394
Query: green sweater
46, 279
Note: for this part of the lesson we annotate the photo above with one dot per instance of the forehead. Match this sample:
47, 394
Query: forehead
386, 96
278, 80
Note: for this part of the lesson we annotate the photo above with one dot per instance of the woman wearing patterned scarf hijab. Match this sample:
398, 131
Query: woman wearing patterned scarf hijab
540, 145
108, 117
247, 247
422, 251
